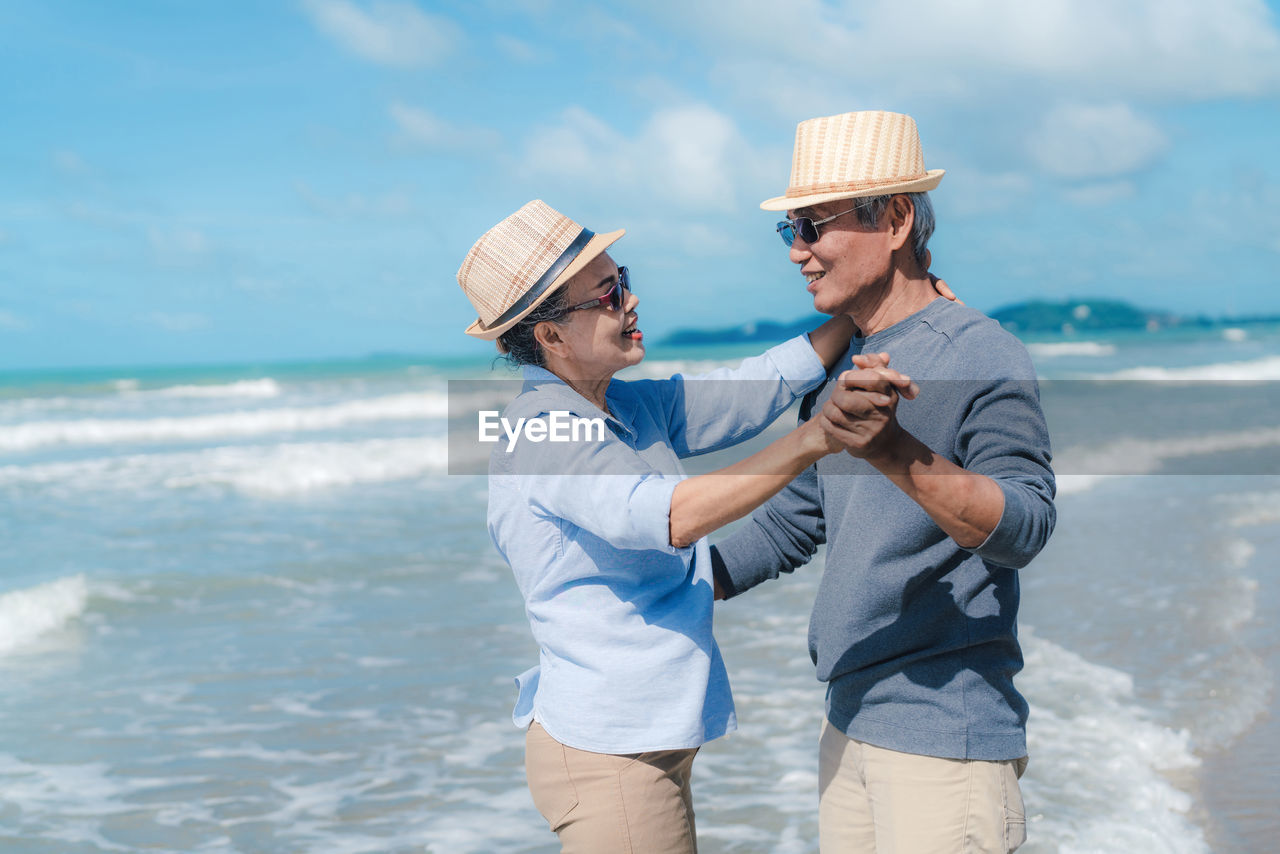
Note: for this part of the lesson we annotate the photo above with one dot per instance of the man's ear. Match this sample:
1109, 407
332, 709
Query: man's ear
902, 217
547, 334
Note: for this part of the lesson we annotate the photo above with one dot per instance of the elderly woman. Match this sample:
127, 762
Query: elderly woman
606, 535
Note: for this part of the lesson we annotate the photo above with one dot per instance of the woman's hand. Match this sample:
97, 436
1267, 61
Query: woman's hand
819, 436
939, 285
944, 290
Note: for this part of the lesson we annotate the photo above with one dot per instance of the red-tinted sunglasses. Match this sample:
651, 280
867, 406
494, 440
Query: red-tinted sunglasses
614, 299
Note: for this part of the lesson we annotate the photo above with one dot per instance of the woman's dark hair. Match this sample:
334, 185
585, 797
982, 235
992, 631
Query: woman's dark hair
518, 346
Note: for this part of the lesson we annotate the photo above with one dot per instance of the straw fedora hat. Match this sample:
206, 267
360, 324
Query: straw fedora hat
521, 261
869, 153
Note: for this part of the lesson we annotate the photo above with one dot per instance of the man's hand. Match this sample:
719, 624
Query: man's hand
861, 413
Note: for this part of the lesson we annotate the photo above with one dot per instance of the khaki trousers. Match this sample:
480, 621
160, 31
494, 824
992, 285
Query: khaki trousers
881, 801
600, 803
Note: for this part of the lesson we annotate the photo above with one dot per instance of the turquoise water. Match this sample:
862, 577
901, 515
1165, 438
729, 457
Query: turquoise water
245, 609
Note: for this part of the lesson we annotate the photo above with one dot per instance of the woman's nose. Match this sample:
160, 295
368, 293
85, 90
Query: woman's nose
631, 303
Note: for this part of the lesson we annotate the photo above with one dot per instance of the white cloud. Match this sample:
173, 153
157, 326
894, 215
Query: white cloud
391, 203
971, 192
692, 156
1094, 141
69, 163
178, 241
259, 287
873, 52
519, 50
11, 321
1092, 195
388, 33
1253, 198
178, 246
419, 127
177, 321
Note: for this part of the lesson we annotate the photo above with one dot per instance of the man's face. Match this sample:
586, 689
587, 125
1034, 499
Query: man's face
849, 264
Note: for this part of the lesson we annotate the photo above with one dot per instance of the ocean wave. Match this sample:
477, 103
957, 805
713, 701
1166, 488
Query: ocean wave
660, 369
297, 469
1100, 760
1256, 370
27, 615
102, 431
1251, 509
1082, 468
129, 391
1050, 350
259, 470
260, 388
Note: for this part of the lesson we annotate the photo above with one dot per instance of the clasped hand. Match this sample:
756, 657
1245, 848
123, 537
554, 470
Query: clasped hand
861, 415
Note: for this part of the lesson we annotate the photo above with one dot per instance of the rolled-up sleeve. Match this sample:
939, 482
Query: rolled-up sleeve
604, 488
707, 412
1004, 437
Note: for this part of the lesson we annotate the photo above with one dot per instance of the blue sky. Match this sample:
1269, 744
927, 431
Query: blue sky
185, 182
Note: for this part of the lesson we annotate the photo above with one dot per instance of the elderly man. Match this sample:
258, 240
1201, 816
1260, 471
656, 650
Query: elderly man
937, 504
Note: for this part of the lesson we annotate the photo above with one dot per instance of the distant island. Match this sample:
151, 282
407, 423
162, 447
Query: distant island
1023, 318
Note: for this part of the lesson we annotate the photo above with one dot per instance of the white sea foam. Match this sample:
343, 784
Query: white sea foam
663, 368
1083, 468
301, 468
260, 470
1256, 370
29, 614
1238, 553
98, 431
1071, 484
1097, 780
260, 388
1050, 350
1234, 334
131, 396
1252, 508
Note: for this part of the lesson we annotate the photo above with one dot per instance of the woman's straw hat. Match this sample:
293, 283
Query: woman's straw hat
521, 261
870, 153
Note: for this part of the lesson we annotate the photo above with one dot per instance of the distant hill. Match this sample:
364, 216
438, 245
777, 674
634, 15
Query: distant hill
761, 330
1036, 316
1080, 315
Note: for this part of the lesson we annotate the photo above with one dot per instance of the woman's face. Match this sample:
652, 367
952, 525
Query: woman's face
598, 341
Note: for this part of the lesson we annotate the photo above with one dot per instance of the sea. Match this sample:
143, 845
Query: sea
248, 609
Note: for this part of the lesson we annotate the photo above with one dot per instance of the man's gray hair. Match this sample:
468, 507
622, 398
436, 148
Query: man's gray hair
870, 209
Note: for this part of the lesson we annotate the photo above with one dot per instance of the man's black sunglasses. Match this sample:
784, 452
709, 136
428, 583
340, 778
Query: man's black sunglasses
806, 228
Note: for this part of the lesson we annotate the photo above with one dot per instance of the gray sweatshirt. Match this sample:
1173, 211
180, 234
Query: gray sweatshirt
915, 636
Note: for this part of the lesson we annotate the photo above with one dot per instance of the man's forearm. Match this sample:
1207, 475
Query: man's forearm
781, 536
965, 505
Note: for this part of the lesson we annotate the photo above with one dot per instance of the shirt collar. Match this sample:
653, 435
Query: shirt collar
557, 390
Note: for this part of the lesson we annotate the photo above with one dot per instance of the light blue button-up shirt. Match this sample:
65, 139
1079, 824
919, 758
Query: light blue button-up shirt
622, 619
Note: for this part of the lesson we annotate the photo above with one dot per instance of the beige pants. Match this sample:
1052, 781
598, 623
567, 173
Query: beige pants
600, 803
884, 802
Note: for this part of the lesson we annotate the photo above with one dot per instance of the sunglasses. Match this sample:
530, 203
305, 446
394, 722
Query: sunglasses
613, 299
806, 228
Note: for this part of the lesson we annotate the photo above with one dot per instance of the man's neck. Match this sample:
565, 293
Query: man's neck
902, 296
